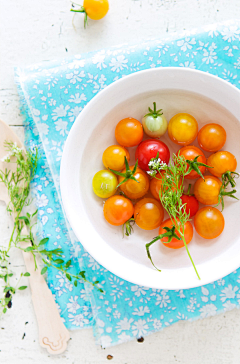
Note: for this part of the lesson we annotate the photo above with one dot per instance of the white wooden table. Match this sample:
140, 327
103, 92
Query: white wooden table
32, 31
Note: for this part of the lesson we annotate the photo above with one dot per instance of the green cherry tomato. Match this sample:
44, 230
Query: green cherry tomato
104, 183
154, 123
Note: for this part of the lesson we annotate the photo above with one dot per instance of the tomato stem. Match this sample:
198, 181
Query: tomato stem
127, 227
154, 113
188, 191
81, 10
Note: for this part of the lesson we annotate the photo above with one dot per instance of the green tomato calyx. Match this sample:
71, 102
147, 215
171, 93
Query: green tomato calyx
229, 177
194, 166
154, 113
128, 174
127, 227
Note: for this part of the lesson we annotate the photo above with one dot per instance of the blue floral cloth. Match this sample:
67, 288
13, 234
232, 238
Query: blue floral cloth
52, 96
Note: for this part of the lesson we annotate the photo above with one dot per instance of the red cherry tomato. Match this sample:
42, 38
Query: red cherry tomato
175, 243
192, 204
148, 149
190, 152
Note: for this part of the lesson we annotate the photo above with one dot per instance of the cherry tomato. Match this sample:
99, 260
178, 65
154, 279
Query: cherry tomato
182, 129
212, 137
154, 123
148, 213
104, 183
129, 132
221, 163
148, 149
175, 243
133, 189
209, 222
190, 152
94, 9
207, 192
117, 210
113, 157
192, 204
156, 183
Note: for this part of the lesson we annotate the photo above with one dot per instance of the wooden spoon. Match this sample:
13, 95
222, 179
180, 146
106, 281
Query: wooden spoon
53, 335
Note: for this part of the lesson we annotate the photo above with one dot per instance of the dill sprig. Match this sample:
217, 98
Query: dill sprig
17, 183
171, 192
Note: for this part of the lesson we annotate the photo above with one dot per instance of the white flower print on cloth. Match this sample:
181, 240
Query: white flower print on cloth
73, 305
186, 44
77, 98
59, 112
118, 64
74, 112
53, 94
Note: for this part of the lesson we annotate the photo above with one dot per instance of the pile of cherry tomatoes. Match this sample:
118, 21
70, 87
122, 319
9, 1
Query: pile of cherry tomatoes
125, 186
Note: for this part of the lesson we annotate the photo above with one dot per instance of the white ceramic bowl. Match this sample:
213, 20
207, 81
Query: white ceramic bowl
207, 98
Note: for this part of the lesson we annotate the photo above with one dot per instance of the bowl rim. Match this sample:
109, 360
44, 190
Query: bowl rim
112, 265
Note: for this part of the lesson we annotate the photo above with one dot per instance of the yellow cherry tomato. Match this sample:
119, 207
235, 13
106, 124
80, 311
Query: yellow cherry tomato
96, 9
104, 184
182, 129
113, 157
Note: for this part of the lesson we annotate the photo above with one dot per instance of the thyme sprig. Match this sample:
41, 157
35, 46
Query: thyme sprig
17, 183
170, 195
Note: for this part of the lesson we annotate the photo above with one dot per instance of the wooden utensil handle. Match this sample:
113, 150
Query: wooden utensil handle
53, 335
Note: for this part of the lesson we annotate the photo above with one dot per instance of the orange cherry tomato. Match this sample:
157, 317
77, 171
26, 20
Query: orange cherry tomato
133, 189
156, 183
117, 210
190, 152
182, 129
96, 9
212, 137
209, 222
148, 213
113, 157
207, 192
129, 132
221, 162
175, 243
